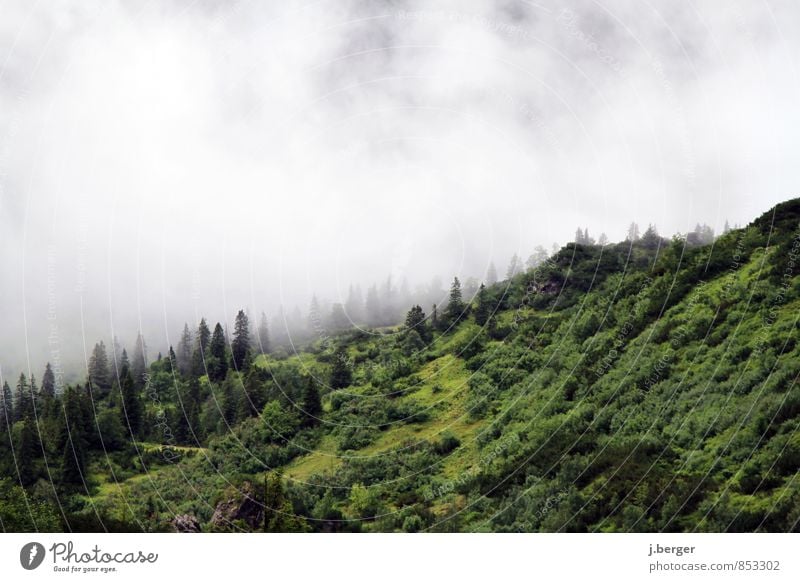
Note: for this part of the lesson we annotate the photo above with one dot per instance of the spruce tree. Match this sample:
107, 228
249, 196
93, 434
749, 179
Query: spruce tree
73, 464
482, 306
254, 395
99, 373
48, 383
6, 408
218, 361
240, 346
311, 403
263, 335
27, 452
491, 274
455, 306
23, 407
184, 354
131, 409
341, 376
139, 363
415, 320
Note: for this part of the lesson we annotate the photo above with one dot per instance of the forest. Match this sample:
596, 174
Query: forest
648, 385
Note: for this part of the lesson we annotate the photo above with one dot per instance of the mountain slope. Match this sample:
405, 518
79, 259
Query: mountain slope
637, 387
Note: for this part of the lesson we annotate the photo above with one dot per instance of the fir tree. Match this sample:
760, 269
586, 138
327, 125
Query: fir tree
185, 351
99, 374
240, 346
73, 465
131, 403
341, 375
491, 274
139, 364
415, 320
6, 408
27, 453
311, 403
263, 335
482, 306
218, 364
455, 306
48, 383
23, 407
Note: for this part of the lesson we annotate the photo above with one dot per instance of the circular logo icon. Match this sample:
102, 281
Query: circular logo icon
31, 555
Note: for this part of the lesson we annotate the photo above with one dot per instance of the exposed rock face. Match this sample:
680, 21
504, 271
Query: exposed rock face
186, 524
240, 506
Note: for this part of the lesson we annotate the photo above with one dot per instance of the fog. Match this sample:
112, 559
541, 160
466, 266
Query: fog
162, 161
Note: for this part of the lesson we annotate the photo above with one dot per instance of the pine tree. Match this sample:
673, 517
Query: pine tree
650, 238
514, 266
240, 346
73, 465
338, 318
131, 403
341, 375
6, 408
99, 374
263, 335
311, 403
415, 320
185, 351
218, 362
254, 396
200, 353
435, 317
139, 364
23, 407
455, 306
491, 274
27, 453
173, 361
633, 233
48, 383
482, 306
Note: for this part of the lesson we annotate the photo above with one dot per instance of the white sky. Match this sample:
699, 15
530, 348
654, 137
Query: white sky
163, 160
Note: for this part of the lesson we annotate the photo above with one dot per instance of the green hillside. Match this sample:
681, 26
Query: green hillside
645, 386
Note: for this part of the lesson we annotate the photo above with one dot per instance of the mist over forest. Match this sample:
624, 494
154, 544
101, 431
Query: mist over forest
168, 162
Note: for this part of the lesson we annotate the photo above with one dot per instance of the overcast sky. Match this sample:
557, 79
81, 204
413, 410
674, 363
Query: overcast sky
163, 160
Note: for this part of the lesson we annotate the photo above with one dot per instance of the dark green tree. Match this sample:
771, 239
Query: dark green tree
218, 360
311, 403
254, 395
23, 407
27, 452
240, 346
184, 354
482, 310
139, 362
341, 375
455, 306
48, 383
6, 409
263, 335
99, 372
201, 354
415, 320
73, 465
131, 409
